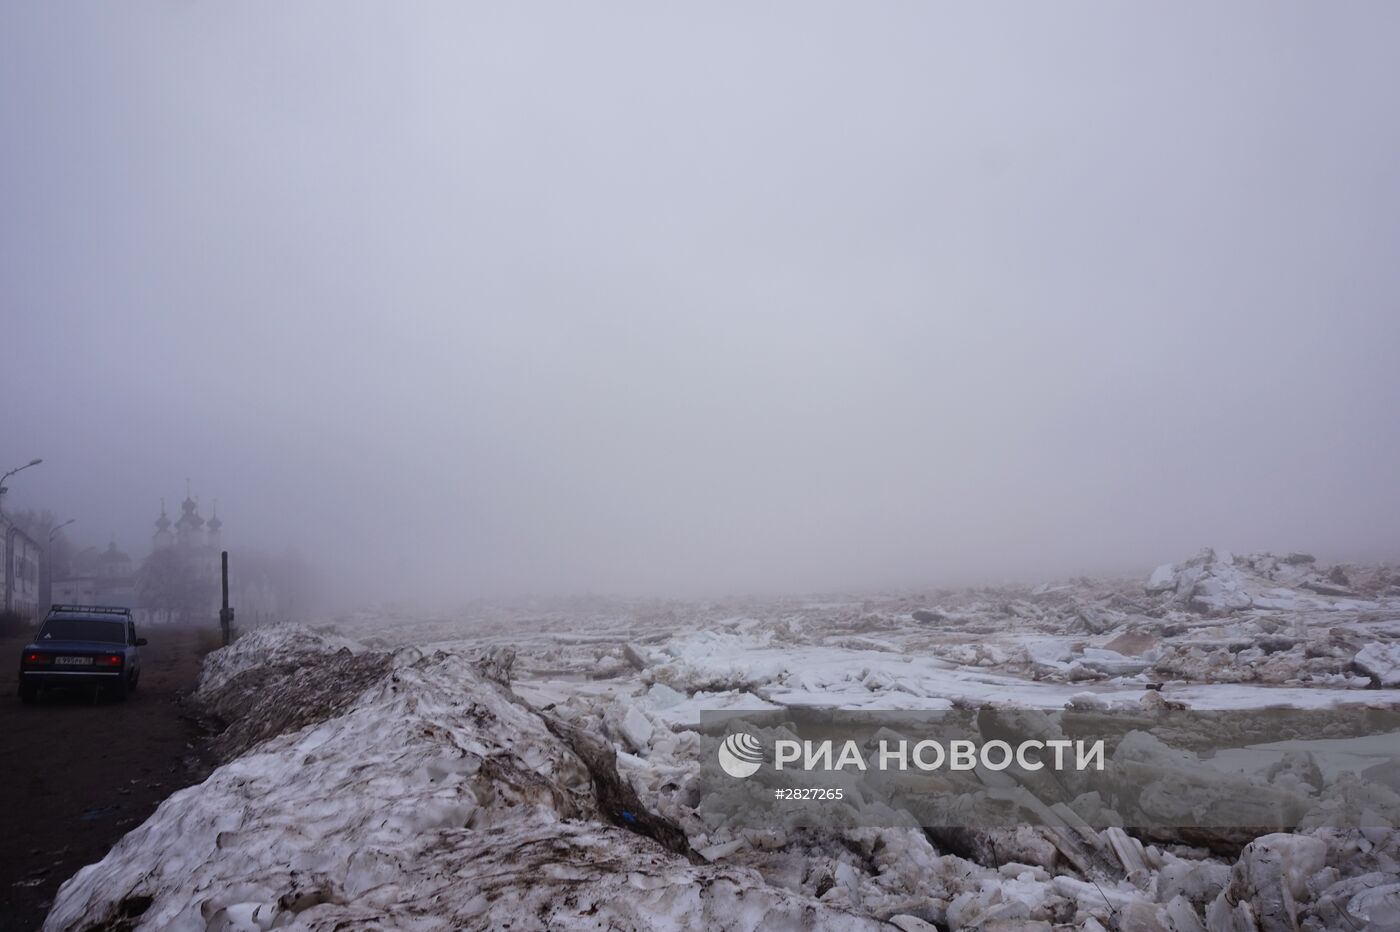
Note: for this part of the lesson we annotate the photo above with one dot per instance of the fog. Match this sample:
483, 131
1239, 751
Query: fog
485, 299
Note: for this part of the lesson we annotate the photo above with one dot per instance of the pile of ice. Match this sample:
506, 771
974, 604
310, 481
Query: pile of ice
436, 797
1211, 621
1219, 582
436, 800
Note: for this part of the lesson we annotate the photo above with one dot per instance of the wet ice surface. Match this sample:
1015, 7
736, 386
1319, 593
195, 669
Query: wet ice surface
438, 798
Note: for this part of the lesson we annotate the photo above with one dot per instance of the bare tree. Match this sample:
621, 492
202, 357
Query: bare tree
171, 581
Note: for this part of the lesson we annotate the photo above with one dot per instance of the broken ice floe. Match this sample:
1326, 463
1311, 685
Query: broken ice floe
412, 791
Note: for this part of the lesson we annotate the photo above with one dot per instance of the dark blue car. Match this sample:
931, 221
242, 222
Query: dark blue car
83, 645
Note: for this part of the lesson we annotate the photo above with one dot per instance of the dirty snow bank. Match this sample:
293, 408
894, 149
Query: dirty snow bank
265, 647
436, 800
276, 680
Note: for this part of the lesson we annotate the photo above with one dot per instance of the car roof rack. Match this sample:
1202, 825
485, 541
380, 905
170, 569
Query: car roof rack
91, 609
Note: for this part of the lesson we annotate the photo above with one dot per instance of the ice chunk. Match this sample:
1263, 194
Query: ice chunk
1378, 907
1111, 663
908, 923
636, 728
1198, 881
1272, 875
662, 696
1381, 661
1181, 916
1163, 578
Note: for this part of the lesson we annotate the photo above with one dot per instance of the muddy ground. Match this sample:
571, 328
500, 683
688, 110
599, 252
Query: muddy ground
77, 774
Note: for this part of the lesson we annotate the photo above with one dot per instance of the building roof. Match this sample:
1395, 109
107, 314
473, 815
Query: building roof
113, 555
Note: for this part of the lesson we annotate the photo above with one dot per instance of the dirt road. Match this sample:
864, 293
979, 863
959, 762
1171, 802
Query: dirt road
77, 775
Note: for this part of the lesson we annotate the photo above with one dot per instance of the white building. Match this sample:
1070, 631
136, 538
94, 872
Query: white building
107, 578
20, 556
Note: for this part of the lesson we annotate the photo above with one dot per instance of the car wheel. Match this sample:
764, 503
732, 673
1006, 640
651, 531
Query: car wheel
119, 690
135, 678
28, 692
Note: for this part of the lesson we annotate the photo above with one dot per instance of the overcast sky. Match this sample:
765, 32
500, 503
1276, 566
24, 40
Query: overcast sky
482, 298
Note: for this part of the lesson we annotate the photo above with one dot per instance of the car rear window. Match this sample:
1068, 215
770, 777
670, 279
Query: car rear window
83, 629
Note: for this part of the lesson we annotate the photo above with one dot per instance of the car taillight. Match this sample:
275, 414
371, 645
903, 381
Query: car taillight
36, 659
108, 660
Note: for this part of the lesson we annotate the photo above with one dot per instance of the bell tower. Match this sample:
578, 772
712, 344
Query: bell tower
189, 524
162, 538
214, 525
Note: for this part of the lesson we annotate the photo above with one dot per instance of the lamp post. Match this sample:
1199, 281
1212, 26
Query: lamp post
46, 579
10, 533
58, 528
34, 462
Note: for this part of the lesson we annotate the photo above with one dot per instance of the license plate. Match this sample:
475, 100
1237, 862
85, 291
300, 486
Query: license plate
73, 661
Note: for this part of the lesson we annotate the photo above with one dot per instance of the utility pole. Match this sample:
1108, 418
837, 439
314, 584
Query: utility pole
225, 613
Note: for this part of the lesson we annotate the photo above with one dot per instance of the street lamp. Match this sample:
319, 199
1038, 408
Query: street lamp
34, 462
46, 569
58, 528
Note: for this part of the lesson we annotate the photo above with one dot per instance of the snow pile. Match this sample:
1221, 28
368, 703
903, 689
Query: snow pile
276, 680
437, 800
263, 646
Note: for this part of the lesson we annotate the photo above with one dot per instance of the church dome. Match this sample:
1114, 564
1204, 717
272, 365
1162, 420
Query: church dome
112, 555
189, 519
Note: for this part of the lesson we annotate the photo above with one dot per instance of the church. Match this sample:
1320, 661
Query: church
192, 533
180, 579
176, 581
